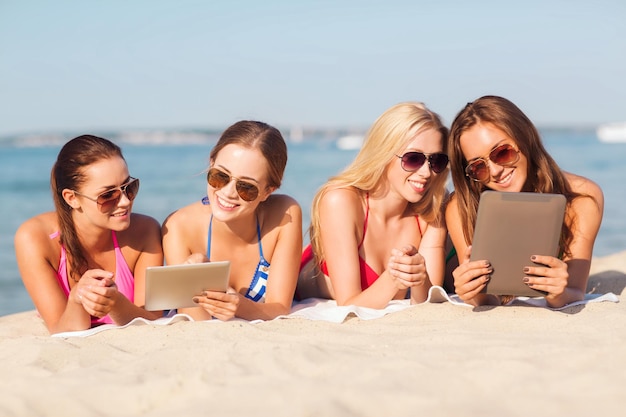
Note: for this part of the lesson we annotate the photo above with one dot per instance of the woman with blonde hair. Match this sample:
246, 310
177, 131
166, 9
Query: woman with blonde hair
377, 229
493, 145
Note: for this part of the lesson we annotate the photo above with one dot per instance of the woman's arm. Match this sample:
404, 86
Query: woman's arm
146, 236
284, 264
470, 278
341, 221
34, 253
565, 280
432, 249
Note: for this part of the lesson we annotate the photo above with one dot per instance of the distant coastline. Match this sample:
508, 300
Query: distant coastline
201, 136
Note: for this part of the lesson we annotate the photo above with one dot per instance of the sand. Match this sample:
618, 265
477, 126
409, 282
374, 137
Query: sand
430, 359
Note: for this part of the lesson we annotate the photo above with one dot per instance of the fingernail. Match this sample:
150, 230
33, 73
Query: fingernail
195, 300
527, 269
525, 280
532, 258
487, 278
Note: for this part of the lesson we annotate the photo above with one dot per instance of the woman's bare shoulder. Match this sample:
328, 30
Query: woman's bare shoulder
187, 215
585, 186
342, 198
43, 224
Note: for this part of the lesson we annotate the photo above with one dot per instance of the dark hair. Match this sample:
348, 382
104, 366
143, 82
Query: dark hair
543, 175
68, 173
254, 134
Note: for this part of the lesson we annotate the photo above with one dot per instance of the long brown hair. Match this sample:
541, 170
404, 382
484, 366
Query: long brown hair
543, 174
387, 137
266, 138
68, 173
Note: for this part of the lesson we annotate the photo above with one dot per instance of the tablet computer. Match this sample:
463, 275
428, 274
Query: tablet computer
174, 286
510, 228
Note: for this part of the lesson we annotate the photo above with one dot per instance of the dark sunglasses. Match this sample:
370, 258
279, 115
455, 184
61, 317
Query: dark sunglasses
504, 155
412, 161
110, 198
219, 179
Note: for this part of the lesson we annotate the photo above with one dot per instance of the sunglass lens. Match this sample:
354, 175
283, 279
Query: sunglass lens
247, 191
438, 162
132, 188
505, 154
412, 161
217, 179
108, 197
478, 170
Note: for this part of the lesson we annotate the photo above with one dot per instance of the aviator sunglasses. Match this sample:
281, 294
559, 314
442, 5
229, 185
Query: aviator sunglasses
504, 155
412, 161
219, 179
109, 199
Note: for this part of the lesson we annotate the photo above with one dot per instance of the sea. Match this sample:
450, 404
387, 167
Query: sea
172, 166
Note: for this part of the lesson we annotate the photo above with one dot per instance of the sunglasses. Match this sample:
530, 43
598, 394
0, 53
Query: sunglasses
109, 199
219, 179
412, 161
504, 155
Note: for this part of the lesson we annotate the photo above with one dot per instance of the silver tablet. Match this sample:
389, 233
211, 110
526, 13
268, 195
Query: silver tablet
510, 227
174, 286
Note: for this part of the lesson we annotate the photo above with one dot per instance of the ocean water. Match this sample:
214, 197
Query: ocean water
173, 176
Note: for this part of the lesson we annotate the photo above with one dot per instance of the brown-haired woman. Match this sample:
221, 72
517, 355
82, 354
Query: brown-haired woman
493, 145
242, 221
84, 264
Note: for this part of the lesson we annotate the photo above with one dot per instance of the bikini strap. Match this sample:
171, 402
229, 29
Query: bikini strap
419, 226
208, 242
367, 213
115, 245
258, 234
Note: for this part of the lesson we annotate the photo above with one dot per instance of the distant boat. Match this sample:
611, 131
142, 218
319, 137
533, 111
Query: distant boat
612, 132
350, 142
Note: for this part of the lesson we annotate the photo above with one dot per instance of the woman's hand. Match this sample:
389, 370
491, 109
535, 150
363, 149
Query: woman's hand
407, 268
222, 306
552, 277
96, 292
470, 278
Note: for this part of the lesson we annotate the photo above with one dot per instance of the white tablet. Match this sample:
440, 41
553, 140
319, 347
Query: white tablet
174, 286
510, 228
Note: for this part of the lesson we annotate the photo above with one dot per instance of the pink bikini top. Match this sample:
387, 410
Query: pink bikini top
124, 278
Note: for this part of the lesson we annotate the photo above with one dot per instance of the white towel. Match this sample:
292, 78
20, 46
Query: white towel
328, 310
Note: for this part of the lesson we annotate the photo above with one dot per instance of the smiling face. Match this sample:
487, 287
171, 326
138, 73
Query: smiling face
478, 142
242, 164
412, 186
100, 177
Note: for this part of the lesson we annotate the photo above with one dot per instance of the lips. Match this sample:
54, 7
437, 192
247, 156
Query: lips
225, 204
420, 187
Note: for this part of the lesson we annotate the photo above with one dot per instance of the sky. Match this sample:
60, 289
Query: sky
152, 64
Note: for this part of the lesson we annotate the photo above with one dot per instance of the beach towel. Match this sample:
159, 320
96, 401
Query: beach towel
328, 310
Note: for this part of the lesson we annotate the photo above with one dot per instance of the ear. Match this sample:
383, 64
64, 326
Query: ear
70, 198
268, 191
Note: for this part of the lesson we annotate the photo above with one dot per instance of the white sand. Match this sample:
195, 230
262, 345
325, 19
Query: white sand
431, 359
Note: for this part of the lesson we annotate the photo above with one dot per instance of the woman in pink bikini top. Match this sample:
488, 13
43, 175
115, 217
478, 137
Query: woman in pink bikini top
84, 263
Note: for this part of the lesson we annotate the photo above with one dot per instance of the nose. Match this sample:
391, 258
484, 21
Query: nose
124, 200
494, 169
230, 189
424, 171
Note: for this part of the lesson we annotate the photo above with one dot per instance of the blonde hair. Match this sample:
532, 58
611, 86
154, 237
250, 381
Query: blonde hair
387, 137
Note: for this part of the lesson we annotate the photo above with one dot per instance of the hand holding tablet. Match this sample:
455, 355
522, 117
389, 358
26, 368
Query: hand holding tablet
510, 228
174, 286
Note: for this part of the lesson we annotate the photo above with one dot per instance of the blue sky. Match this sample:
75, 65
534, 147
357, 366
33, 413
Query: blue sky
88, 65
